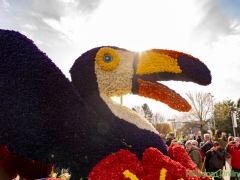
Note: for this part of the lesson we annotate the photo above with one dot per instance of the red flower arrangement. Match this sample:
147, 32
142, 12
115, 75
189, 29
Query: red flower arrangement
177, 153
13, 165
113, 166
153, 161
154, 166
175, 150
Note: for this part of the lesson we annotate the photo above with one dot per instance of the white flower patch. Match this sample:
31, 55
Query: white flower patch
119, 82
128, 115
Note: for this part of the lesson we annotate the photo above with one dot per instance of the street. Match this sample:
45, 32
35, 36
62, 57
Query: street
226, 172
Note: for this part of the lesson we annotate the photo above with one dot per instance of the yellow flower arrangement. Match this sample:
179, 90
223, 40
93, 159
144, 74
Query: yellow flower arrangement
107, 59
153, 62
163, 173
130, 175
173, 54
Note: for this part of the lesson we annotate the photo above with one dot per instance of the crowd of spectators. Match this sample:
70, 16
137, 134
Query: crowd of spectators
212, 153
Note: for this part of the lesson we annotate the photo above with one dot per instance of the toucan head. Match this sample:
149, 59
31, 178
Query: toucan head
156, 65
119, 72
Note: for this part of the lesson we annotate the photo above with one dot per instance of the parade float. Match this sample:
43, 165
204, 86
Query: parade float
48, 120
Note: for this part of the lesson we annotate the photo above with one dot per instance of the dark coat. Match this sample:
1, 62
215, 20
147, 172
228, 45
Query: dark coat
205, 147
168, 141
216, 158
198, 139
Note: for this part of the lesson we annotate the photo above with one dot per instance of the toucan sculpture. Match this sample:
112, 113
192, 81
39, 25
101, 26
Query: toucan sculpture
75, 124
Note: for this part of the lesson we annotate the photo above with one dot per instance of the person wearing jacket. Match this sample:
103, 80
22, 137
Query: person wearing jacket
169, 138
233, 147
205, 146
197, 137
223, 141
216, 156
195, 143
194, 154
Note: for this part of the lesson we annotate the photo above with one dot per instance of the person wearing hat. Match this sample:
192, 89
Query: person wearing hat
216, 157
169, 138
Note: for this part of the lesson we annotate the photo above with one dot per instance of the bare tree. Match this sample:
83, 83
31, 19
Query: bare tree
139, 110
202, 111
146, 112
157, 118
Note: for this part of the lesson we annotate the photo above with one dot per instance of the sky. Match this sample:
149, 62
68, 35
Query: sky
206, 29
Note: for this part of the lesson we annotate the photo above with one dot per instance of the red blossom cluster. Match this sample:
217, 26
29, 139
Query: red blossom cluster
153, 161
13, 165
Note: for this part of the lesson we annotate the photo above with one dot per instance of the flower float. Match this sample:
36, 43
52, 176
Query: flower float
13, 165
154, 166
75, 124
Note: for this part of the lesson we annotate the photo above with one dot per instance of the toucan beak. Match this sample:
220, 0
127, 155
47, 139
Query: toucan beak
163, 65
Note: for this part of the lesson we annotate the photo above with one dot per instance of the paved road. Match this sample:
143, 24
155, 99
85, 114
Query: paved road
226, 171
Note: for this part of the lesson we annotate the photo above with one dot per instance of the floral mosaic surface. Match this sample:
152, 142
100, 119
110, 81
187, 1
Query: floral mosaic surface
49, 120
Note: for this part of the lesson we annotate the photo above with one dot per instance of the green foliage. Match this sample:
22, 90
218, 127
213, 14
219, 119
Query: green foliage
147, 112
222, 114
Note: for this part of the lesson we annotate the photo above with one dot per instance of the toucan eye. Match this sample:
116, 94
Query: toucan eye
107, 59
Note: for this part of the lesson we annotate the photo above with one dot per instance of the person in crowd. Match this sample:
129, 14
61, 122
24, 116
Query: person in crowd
186, 139
195, 143
174, 141
216, 156
197, 137
230, 138
223, 141
180, 143
228, 156
233, 147
177, 142
169, 138
194, 154
205, 146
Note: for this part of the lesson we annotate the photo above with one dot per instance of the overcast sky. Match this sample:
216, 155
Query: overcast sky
206, 29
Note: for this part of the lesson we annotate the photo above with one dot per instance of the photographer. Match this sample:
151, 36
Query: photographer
233, 147
205, 146
223, 141
216, 157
